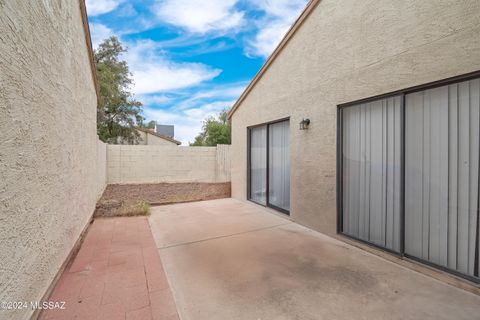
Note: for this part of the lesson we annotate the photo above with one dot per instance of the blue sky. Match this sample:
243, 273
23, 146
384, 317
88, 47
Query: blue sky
191, 59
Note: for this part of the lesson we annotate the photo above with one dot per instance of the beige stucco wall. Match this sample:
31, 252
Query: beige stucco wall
52, 166
156, 164
152, 140
223, 163
345, 51
149, 139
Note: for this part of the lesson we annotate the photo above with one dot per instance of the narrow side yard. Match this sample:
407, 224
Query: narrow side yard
117, 274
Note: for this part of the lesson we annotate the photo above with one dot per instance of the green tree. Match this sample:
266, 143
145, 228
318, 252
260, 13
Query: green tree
215, 130
118, 111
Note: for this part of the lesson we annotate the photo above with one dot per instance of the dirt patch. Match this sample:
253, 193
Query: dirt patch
120, 208
118, 196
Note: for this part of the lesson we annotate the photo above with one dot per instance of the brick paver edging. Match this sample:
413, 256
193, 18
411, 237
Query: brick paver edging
117, 274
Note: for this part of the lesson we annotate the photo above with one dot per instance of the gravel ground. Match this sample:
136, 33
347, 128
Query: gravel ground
117, 195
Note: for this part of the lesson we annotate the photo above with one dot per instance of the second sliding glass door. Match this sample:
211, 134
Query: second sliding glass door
410, 175
269, 165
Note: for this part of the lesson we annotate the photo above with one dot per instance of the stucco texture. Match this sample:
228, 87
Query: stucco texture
52, 166
145, 138
134, 164
347, 50
151, 140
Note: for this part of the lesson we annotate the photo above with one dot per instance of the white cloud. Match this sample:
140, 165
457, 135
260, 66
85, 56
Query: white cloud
188, 114
154, 99
283, 9
200, 16
227, 91
279, 16
128, 10
217, 93
187, 109
163, 76
153, 73
98, 7
99, 32
267, 39
188, 123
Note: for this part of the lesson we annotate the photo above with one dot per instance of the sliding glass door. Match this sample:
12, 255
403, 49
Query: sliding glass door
258, 164
279, 165
409, 174
441, 176
371, 172
269, 165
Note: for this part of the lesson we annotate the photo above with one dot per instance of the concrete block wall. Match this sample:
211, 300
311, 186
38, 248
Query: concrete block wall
101, 168
156, 164
223, 163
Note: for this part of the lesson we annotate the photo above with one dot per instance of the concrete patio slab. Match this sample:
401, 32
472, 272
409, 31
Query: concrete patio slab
227, 259
196, 221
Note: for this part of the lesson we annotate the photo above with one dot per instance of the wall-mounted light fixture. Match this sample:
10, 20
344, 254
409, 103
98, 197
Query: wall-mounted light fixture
304, 124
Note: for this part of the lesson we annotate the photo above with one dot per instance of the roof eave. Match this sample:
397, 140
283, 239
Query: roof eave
86, 28
296, 25
159, 135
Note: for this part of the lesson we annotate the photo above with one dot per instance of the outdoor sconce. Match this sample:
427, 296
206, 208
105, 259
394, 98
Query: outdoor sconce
304, 124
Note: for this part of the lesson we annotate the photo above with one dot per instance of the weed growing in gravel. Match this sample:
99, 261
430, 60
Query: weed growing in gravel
140, 208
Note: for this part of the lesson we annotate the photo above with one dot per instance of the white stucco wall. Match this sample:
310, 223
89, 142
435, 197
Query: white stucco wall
52, 166
348, 50
155, 164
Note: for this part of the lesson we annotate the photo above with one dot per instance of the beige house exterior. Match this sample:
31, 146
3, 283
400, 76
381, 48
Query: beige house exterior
337, 52
151, 138
52, 165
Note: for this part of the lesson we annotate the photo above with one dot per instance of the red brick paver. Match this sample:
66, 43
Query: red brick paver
117, 274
